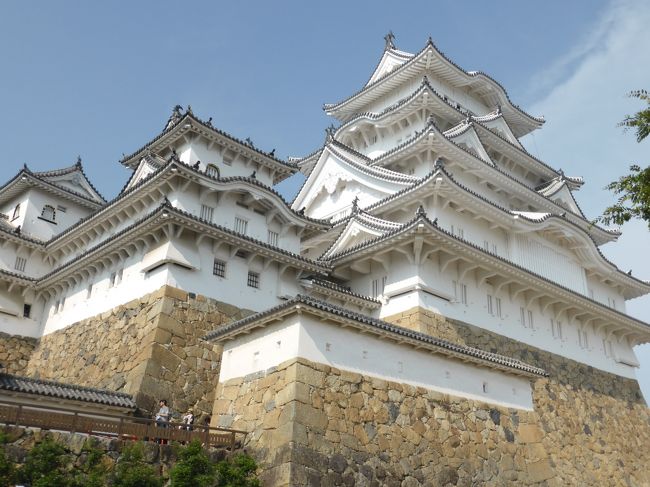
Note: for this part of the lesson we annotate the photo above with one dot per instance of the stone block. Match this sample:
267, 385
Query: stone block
162, 357
530, 433
171, 325
540, 471
174, 293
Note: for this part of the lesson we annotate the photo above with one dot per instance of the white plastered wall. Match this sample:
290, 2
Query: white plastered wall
437, 294
344, 348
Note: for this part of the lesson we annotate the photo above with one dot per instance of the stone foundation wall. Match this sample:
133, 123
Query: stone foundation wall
15, 352
150, 347
314, 425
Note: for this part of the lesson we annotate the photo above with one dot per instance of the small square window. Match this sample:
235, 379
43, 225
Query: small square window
48, 213
20, 263
219, 268
206, 213
212, 171
273, 238
241, 225
253, 279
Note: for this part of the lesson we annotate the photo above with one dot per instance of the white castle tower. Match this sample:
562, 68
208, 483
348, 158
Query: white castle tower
435, 204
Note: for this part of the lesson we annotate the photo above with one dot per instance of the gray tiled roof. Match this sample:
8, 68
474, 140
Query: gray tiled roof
58, 390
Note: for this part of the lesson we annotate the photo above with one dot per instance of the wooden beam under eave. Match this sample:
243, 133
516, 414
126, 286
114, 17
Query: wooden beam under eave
361, 266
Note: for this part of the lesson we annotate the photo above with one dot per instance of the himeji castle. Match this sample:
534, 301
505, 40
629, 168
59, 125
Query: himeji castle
433, 305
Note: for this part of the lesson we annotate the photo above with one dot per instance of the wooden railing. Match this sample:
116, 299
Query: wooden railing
122, 427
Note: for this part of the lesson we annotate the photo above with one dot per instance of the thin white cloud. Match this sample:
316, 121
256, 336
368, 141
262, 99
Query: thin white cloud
585, 99
564, 66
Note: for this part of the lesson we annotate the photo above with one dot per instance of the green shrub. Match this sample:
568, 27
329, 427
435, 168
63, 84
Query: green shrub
132, 471
45, 466
7, 468
92, 472
237, 471
194, 468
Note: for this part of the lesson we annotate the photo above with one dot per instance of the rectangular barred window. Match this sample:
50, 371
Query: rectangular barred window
463, 294
522, 316
113, 278
530, 320
219, 268
273, 238
490, 308
498, 303
20, 264
486, 245
89, 291
61, 304
27, 310
241, 225
253, 279
206, 213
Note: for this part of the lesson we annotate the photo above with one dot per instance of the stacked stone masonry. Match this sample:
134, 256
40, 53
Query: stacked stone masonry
15, 352
315, 425
150, 347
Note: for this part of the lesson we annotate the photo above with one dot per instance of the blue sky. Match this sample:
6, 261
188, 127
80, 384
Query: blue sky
99, 79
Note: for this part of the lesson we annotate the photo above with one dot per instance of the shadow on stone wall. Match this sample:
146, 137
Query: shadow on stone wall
150, 347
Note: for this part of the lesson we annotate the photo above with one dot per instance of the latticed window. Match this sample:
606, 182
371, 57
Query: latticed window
273, 238
48, 213
20, 263
207, 212
212, 171
219, 268
253, 279
241, 225
16, 212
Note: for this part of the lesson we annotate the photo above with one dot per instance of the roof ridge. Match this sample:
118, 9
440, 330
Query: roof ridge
470, 74
208, 125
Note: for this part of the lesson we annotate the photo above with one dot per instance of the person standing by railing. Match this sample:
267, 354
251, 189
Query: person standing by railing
187, 420
162, 417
